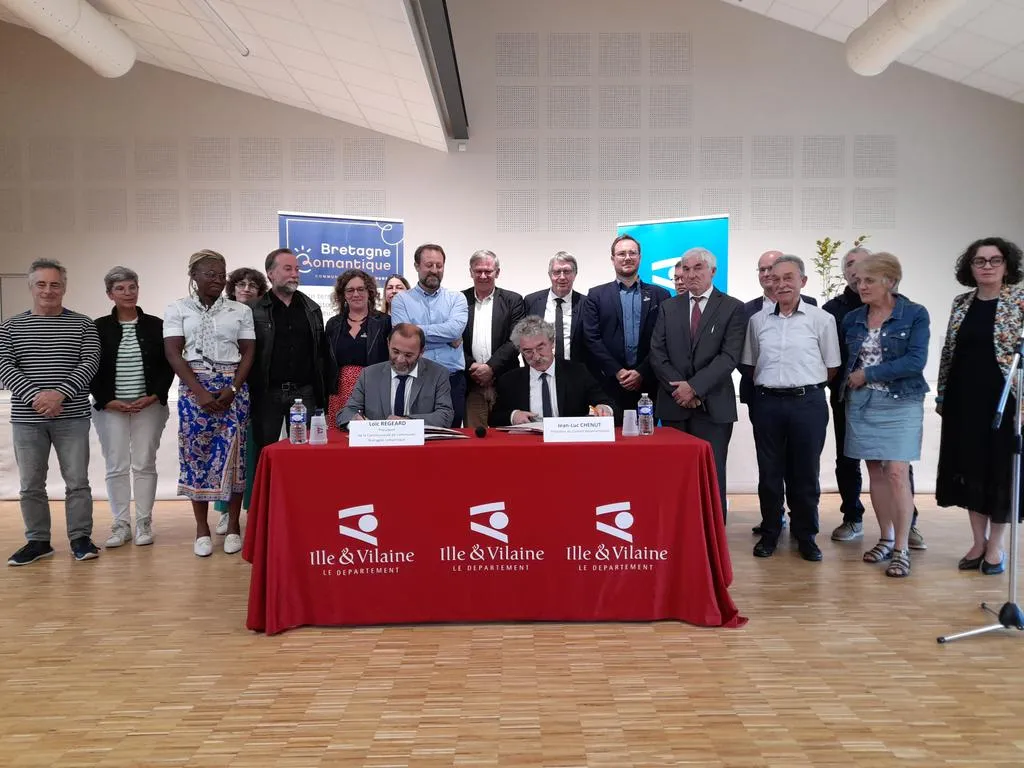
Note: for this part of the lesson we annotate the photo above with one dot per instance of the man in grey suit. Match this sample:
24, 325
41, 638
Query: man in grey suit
409, 386
695, 347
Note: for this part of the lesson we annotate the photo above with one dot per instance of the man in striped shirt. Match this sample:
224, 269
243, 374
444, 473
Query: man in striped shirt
48, 357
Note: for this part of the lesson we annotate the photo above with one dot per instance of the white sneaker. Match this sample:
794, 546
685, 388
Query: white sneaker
119, 536
233, 543
222, 524
143, 533
203, 546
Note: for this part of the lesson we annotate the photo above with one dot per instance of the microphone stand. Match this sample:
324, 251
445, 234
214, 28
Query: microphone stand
1010, 615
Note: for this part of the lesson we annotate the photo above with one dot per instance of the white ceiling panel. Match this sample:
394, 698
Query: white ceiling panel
352, 60
980, 45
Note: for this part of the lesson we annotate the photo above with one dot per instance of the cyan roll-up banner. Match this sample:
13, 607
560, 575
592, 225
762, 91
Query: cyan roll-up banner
326, 245
663, 242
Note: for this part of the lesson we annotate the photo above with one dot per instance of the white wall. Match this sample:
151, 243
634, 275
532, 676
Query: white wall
145, 169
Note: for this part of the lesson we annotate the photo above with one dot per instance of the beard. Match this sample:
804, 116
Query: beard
431, 282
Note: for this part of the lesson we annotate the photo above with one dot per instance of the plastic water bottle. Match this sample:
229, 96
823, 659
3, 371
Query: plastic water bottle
645, 414
297, 423
318, 428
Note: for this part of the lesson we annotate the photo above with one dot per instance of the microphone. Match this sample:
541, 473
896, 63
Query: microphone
480, 431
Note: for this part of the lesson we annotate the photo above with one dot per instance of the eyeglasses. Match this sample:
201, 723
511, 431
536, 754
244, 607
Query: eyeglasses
354, 291
992, 261
624, 254
562, 272
247, 285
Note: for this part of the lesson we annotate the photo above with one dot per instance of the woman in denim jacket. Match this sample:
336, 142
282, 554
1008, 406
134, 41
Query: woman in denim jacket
887, 345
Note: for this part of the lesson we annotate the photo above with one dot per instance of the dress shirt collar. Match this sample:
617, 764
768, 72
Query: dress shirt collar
486, 299
414, 372
706, 295
423, 291
535, 374
798, 309
624, 287
566, 300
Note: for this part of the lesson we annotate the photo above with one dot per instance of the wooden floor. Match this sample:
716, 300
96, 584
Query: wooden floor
142, 659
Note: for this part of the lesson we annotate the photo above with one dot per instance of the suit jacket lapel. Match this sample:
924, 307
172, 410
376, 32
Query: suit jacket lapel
645, 303
577, 313
383, 391
497, 320
414, 389
561, 387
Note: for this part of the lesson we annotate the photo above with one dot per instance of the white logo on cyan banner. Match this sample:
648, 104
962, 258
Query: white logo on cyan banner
302, 256
623, 520
497, 522
366, 521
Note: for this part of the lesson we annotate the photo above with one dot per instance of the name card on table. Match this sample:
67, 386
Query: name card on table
581, 429
373, 434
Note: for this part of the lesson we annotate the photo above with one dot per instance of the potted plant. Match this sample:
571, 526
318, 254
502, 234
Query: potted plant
829, 272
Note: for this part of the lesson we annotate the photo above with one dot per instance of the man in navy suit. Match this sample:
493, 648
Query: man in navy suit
751, 308
562, 307
618, 320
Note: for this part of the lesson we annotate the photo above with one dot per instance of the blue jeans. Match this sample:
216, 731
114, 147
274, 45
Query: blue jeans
70, 439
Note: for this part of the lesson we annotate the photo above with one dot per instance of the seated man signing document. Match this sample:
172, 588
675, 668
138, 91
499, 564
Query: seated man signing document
548, 386
408, 386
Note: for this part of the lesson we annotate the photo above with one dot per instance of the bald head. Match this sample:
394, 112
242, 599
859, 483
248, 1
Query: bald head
764, 272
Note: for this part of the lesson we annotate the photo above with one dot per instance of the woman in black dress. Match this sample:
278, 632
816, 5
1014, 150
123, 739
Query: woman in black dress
975, 461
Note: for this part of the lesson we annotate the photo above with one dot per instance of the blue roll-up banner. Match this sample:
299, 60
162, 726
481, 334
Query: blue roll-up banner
663, 242
326, 245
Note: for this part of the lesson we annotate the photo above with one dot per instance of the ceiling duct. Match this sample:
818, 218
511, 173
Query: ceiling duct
892, 30
81, 30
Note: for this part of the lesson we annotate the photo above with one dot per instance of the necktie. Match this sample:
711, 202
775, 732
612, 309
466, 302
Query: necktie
400, 396
545, 397
695, 318
559, 330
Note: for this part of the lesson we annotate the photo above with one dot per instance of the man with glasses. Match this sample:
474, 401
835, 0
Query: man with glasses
765, 301
618, 320
561, 306
291, 351
679, 279
486, 341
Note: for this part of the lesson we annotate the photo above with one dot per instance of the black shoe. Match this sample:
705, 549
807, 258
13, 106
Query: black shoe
765, 547
34, 550
809, 550
757, 530
970, 563
993, 570
83, 549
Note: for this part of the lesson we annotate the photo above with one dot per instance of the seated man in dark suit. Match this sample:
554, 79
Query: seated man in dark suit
408, 386
549, 386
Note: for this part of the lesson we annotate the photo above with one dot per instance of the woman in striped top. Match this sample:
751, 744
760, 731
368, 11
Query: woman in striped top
130, 401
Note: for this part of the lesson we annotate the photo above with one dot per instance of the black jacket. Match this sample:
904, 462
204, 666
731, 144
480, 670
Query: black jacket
508, 310
263, 320
150, 332
839, 307
575, 391
378, 329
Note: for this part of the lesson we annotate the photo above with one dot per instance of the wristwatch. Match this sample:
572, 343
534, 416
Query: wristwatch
233, 388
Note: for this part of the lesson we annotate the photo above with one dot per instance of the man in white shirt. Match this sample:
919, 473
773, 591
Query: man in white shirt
794, 352
560, 306
490, 353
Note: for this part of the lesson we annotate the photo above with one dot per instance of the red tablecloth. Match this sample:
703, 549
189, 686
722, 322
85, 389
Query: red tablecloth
507, 528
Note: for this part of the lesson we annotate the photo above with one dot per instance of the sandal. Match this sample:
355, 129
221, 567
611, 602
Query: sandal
900, 565
880, 552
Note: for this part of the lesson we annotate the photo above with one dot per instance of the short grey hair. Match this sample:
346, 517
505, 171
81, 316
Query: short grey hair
47, 264
703, 254
568, 258
119, 275
480, 255
788, 258
532, 325
857, 249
